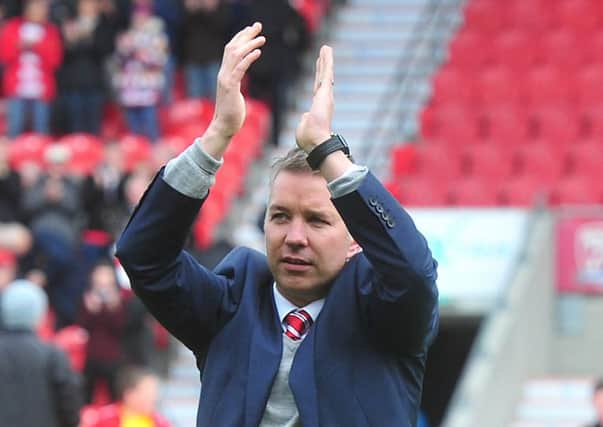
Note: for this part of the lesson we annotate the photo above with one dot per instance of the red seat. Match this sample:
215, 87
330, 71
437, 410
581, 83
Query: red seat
556, 125
488, 162
422, 192
577, 189
113, 124
505, 124
484, 16
403, 159
514, 49
522, 191
589, 85
497, 85
438, 162
453, 84
586, 159
544, 86
543, 162
188, 111
73, 341
472, 191
453, 124
593, 50
561, 48
87, 152
258, 116
212, 213
136, 150
28, 148
592, 121
469, 50
578, 15
534, 16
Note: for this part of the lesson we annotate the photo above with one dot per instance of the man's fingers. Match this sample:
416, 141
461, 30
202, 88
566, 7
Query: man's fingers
326, 67
247, 33
239, 42
317, 75
326, 55
245, 63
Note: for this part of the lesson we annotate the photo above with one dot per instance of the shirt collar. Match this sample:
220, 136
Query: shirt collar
284, 306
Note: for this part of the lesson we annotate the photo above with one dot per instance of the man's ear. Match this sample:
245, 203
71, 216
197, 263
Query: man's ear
353, 250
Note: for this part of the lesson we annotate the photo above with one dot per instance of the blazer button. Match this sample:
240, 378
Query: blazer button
390, 223
379, 208
372, 201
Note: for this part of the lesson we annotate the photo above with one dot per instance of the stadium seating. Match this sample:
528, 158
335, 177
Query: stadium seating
519, 100
28, 148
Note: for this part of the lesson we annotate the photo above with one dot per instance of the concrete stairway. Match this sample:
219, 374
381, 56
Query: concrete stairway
371, 39
180, 391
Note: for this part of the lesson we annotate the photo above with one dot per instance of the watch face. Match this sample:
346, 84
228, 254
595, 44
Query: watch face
343, 142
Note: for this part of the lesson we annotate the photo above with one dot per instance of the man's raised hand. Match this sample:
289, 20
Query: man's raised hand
315, 125
229, 115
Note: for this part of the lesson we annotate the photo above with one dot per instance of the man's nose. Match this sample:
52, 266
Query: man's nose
296, 234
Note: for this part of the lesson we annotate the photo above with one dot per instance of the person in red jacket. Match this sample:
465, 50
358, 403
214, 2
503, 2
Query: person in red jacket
30, 52
137, 406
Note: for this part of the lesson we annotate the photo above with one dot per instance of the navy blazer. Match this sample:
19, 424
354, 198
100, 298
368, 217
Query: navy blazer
363, 360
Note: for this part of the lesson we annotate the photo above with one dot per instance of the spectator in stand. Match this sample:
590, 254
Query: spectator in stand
53, 209
88, 42
103, 315
10, 188
141, 55
37, 385
171, 13
139, 390
278, 66
598, 402
205, 31
8, 273
30, 51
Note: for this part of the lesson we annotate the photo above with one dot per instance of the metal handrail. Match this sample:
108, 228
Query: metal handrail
401, 83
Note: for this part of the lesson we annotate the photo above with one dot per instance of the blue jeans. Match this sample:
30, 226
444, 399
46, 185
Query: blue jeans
20, 108
201, 80
84, 110
143, 121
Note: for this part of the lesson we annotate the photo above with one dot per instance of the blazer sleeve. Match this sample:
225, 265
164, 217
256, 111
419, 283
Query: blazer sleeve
189, 300
397, 283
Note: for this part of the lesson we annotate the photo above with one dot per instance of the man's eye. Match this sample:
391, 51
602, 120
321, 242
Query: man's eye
278, 216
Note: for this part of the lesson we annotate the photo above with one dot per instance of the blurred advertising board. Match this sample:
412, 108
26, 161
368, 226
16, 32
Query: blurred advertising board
477, 251
580, 253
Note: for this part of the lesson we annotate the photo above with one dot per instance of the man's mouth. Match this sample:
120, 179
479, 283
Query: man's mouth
295, 261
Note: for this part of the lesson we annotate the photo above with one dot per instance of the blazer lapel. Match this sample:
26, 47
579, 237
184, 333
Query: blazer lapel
264, 360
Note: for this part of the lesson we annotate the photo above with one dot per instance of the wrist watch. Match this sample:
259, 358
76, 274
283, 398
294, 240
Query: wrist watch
318, 153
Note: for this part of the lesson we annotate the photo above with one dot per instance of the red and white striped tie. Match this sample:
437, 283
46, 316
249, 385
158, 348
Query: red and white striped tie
297, 323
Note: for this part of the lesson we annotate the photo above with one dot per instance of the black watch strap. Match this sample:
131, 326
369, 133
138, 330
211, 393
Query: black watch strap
318, 153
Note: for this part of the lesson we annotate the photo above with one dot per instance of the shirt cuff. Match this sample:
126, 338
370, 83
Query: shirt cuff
192, 172
348, 182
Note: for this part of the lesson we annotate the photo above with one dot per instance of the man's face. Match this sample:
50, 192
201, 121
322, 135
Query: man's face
307, 242
143, 398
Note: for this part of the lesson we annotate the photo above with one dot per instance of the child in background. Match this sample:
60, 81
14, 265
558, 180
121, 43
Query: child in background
138, 389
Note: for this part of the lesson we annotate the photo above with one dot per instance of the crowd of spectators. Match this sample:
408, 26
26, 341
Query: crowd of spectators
64, 60
70, 66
